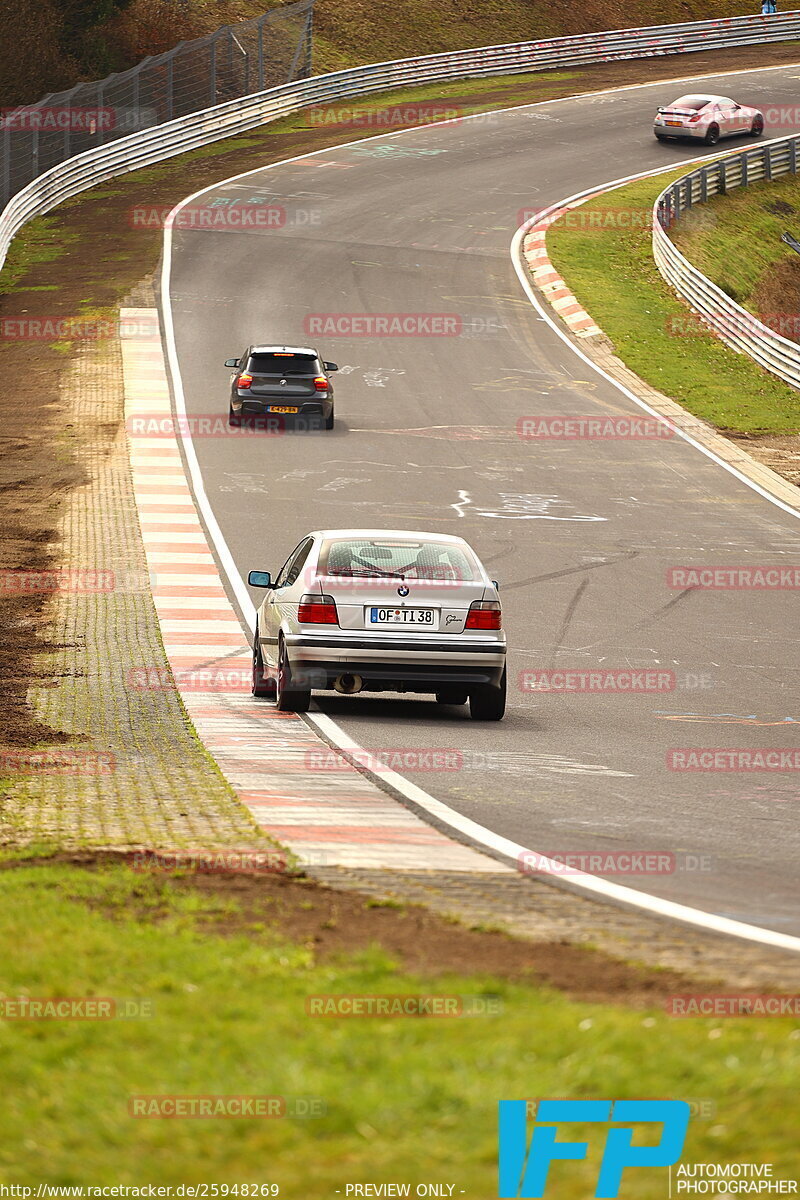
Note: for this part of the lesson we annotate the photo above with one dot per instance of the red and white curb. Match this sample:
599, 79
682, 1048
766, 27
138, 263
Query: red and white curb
301, 792
550, 283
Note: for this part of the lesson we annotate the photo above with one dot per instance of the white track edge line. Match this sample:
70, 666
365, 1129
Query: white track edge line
521, 269
581, 882
591, 883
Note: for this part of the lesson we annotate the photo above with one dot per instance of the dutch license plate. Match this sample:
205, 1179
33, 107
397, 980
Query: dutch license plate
280, 408
403, 616
673, 123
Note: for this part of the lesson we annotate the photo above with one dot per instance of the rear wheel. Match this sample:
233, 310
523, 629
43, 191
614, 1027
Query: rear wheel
329, 420
661, 137
758, 126
712, 135
262, 684
452, 695
234, 418
288, 696
488, 703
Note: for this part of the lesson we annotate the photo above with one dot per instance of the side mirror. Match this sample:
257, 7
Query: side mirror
231, 362
260, 579
496, 585
330, 366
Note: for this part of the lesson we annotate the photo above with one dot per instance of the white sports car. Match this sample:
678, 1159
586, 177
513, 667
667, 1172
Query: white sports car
708, 118
381, 610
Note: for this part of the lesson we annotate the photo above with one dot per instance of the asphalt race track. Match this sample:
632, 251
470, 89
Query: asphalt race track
580, 534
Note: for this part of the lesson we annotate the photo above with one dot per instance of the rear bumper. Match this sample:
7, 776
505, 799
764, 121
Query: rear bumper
305, 408
681, 131
386, 664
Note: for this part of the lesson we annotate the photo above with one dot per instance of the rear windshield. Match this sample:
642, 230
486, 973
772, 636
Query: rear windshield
392, 556
693, 102
284, 364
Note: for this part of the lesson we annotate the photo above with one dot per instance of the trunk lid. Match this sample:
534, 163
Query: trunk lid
405, 606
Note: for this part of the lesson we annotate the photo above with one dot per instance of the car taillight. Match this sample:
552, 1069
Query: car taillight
321, 383
317, 610
244, 380
484, 614
695, 119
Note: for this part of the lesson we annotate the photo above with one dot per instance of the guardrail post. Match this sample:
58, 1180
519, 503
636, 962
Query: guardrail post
5, 191
687, 193
309, 38
68, 123
723, 178
170, 86
768, 162
793, 157
100, 122
744, 163
704, 184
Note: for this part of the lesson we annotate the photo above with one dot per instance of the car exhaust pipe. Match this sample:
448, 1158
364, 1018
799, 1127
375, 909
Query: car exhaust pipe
348, 685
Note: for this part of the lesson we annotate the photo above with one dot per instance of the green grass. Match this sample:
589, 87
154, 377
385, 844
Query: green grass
43, 242
736, 239
406, 1099
611, 271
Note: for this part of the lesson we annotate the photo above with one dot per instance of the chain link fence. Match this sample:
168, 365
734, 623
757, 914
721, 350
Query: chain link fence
235, 61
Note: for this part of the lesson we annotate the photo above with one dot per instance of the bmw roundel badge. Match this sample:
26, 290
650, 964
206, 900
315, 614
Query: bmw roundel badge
402, 590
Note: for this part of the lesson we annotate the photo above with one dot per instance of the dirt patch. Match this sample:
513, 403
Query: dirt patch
333, 924
36, 468
778, 292
780, 452
84, 259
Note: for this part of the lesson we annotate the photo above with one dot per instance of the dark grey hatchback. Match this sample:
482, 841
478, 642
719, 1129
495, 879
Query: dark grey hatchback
288, 380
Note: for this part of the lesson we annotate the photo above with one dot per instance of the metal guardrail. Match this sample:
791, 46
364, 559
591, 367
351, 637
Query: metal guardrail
237, 116
236, 60
734, 324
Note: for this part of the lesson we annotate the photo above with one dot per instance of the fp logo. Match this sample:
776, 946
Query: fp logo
524, 1170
